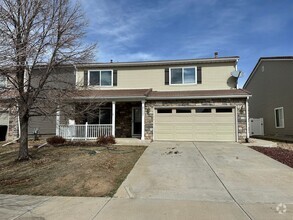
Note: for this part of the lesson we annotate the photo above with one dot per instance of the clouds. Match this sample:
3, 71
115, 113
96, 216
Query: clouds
128, 30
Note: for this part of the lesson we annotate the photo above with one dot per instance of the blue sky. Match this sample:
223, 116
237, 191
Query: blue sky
135, 30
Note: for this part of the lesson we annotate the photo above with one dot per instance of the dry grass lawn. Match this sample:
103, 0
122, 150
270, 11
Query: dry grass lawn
67, 171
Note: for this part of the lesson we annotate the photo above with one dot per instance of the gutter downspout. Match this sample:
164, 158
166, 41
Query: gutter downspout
247, 121
236, 68
18, 122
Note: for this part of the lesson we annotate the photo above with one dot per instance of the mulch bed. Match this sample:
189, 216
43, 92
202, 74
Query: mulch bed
282, 155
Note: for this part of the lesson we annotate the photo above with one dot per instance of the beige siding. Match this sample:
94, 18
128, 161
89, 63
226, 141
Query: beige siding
214, 76
271, 87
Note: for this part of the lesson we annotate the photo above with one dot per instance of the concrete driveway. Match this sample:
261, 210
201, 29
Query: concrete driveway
184, 180
204, 180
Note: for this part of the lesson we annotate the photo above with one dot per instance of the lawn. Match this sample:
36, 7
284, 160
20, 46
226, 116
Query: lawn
67, 170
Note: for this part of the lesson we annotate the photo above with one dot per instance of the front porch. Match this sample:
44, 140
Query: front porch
121, 119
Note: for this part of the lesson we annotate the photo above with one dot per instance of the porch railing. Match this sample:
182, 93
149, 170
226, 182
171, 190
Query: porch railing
84, 131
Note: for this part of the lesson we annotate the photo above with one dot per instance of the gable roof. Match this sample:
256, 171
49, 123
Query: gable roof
159, 62
265, 59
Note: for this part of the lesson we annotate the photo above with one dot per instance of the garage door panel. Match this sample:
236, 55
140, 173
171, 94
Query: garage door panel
213, 126
201, 119
165, 136
163, 119
185, 136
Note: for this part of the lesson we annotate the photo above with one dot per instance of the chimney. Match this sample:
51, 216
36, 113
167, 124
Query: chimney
216, 54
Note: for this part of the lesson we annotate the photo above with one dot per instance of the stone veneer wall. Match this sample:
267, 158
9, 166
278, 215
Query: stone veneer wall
239, 103
123, 124
13, 124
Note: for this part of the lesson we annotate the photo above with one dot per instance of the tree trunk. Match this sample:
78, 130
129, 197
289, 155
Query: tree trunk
23, 142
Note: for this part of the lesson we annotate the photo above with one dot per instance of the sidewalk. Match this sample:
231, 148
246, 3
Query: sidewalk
55, 208
260, 143
88, 208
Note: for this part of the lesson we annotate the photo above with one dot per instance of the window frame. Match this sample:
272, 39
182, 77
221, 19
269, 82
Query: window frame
100, 74
223, 108
281, 119
4, 81
204, 112
159, 109
184, 110
182, 68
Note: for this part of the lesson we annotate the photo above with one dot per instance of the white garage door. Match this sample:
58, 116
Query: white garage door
195, 124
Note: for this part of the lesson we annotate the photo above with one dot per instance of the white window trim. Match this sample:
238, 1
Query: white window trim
183, 84
88, 77
282, 119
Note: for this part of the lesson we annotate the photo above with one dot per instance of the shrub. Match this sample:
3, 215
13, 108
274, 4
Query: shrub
56, 140
106, 140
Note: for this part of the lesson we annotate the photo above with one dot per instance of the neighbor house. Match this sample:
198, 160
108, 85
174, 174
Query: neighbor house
175, 100
44, 119
272, 94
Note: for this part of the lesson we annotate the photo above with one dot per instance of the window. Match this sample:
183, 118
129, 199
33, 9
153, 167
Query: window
169, 110
3, 82
223, 110
100, 116
183, 110
279, 117
203, 110
185, 75
100, 77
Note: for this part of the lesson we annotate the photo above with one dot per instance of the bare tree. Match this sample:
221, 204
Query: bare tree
36, 38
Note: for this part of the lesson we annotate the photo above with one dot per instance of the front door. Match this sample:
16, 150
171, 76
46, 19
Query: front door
136, 121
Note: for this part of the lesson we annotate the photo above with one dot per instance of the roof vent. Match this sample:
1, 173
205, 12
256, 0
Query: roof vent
216, 54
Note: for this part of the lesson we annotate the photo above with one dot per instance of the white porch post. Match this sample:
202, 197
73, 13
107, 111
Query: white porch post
58, 122
113, 118
86, 130
247, 119
142, 119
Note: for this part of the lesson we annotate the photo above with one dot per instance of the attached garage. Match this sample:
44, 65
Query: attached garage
195, 124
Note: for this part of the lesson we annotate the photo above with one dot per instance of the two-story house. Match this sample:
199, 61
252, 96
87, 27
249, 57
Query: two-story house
180, 100
270, 83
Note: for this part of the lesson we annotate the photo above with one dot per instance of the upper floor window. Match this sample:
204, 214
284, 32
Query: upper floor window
184, 75
100, 77
279, 117
3, 81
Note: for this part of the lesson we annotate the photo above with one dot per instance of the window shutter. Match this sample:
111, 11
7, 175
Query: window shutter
199, 75
85, 78
114, 77
167, 76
